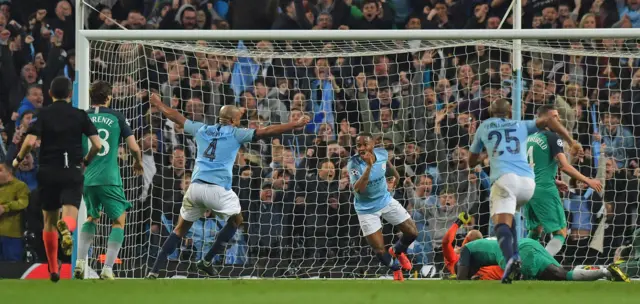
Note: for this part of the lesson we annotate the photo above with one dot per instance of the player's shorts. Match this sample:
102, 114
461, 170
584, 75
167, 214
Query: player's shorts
109, 199
535, 259
393, 213
545, 209
489, 273
510, 192
201, 197
58, 187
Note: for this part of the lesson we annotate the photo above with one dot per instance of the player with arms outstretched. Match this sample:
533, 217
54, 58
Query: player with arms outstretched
210, 188
451, 257
103, 189
373, 200
545, 210
511, 176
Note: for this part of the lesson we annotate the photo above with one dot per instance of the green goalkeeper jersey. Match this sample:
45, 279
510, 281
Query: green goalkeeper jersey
112, 126
542, 149
485, 252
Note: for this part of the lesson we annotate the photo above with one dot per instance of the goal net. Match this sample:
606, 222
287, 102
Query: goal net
422, 100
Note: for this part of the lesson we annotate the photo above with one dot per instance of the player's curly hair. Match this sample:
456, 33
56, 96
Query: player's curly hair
100, 92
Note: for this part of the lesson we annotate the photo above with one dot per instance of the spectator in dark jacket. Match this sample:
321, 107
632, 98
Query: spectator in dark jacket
291, 17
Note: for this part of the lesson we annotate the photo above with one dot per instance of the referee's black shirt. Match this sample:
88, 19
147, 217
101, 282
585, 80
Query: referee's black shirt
60, 127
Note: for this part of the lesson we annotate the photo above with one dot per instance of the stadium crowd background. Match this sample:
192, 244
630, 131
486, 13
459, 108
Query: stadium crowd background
424, 106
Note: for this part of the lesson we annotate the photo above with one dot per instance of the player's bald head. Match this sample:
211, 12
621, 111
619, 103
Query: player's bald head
228, 114
500, 108
472, 235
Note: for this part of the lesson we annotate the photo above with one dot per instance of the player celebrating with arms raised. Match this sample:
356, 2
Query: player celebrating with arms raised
545, 210
210, 188
373, 200
511, 176
102, 182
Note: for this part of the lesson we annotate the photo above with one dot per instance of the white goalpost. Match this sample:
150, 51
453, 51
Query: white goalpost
421, 92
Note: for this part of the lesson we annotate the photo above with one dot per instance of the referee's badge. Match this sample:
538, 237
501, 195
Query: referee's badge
560, 143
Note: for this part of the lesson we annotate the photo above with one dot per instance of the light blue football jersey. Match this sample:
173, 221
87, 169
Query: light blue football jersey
217, 147
376, 196
506, 144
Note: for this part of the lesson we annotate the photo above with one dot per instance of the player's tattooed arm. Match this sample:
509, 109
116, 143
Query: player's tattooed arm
554, 125
566, 167
394, 172
274, 130
136, 152
169, 113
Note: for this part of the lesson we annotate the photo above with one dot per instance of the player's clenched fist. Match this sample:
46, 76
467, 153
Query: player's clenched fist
303, 121
155, 99
368, 158
576, 148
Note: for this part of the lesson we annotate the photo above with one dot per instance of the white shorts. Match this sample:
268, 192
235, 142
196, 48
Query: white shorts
510, 192
202, 197
393, 213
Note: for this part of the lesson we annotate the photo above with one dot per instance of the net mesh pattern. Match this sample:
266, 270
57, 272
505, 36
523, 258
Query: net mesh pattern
422, 100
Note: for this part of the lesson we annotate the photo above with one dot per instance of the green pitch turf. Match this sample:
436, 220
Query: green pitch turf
315, 291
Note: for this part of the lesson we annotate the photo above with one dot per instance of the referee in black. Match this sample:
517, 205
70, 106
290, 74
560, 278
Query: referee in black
60, 127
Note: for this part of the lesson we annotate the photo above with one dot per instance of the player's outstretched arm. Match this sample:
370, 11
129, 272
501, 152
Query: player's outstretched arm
169, 113
282, 128
567, 168
554, 125
137, 154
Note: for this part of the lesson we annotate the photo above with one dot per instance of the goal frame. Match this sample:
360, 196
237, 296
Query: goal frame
83, 38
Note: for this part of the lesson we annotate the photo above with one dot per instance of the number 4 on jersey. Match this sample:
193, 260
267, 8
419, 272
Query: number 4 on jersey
210, 152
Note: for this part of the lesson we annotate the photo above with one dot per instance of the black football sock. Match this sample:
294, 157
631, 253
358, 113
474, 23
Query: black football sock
226, 233
505, 240
168, 248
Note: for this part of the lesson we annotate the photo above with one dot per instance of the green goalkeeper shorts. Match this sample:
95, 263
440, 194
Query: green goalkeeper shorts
535, 259
545, 209
109, 199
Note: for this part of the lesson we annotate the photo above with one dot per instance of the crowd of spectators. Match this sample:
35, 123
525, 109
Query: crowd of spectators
423, 107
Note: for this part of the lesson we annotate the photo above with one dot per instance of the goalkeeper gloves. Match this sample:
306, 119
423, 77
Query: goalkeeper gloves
463, 219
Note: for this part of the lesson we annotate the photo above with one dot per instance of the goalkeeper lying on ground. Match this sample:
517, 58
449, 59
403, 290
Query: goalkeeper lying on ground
451, 255
537, 263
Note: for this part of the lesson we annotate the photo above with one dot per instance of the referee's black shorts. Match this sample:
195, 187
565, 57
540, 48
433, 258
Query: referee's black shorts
59, 186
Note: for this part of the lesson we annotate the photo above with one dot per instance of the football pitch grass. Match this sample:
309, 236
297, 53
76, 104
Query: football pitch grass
316, 291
